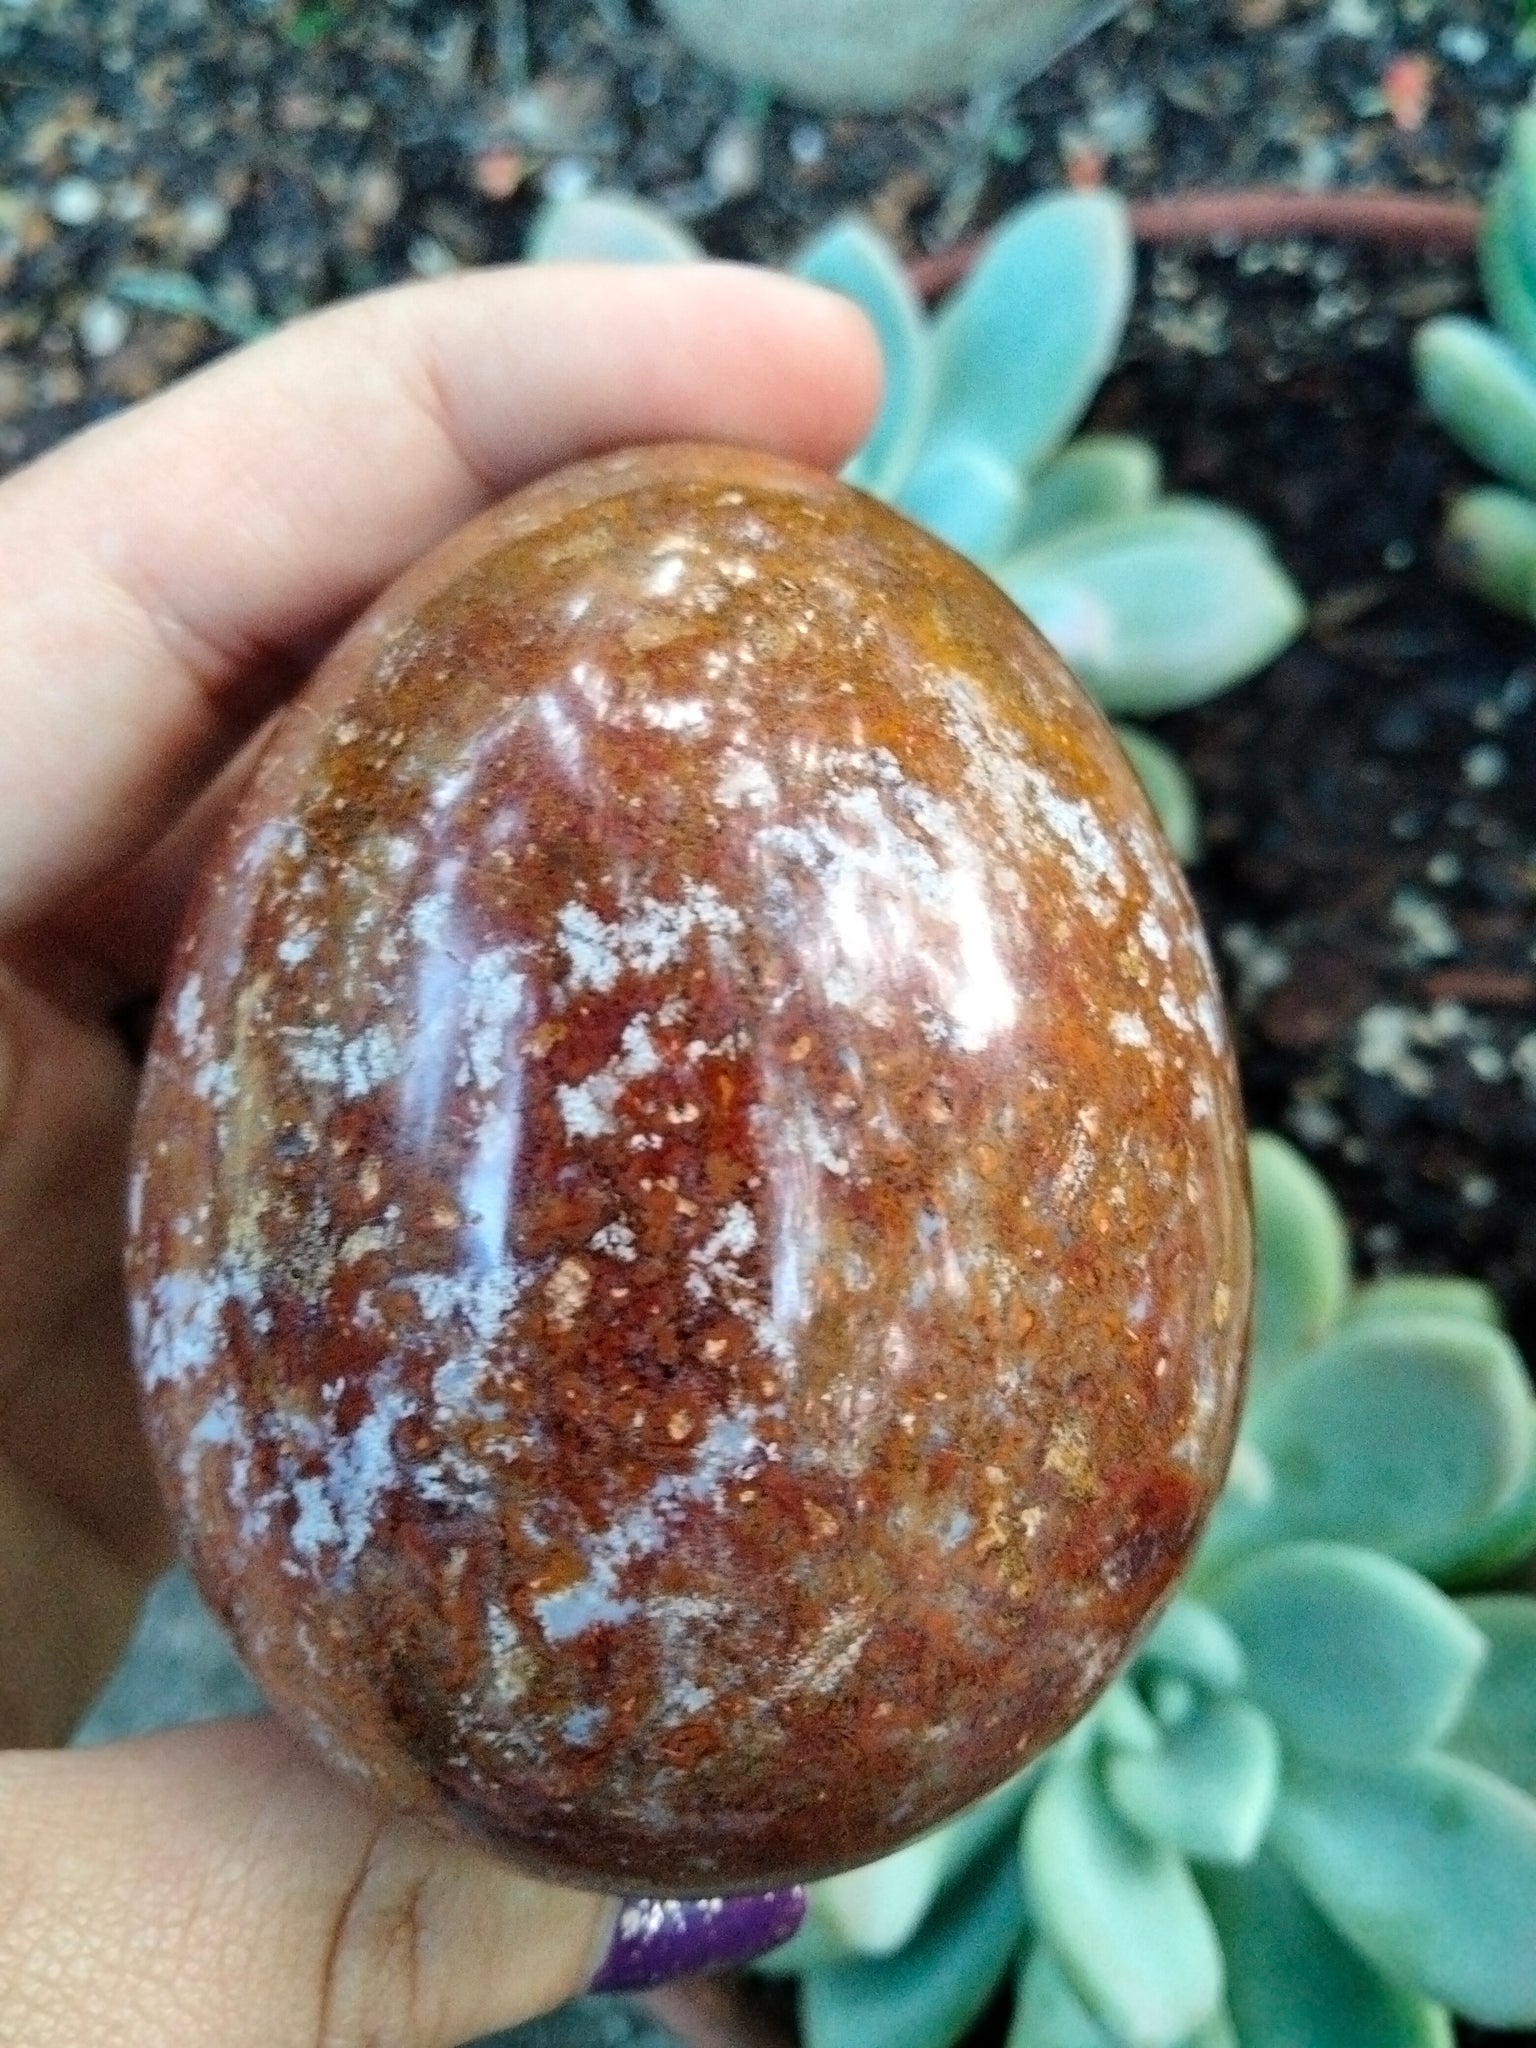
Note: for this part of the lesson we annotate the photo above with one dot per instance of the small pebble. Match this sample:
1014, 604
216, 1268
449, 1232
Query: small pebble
567, 178
807, 144
75, 202
1463, 43
204, 222
428, 257
1484, 766
102, 327
733, 162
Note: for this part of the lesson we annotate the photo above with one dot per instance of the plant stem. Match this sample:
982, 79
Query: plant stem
1263, 213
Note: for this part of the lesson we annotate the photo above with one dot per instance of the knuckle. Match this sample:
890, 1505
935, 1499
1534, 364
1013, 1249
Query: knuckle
376, 1988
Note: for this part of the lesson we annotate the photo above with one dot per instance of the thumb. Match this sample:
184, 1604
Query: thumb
217, 1885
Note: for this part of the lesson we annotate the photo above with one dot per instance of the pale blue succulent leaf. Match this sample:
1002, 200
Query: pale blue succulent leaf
1047, 2012
1024, 343
1446, 1294
1482, 391
1158, 609
1122, 1914
1490, 545
851, 258
968, 496
1502, 1540
1507, 242
1429, 1868
1168, 788
1518, 175
1174, 1698
607, 227
1122, 1721
1408, 1434
1210, 1790
1097, 476
1506, 276
876, 1909
1355, 1657
816, 1944
1301, 1255
928, 1994
1292, 1982
1192, 1638
1498, 1729
1218, 2032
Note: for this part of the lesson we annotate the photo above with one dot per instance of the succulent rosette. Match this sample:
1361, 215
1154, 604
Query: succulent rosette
1155, 600
1306, 1811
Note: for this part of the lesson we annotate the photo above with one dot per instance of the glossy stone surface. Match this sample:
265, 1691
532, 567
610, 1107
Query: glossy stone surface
689, 1249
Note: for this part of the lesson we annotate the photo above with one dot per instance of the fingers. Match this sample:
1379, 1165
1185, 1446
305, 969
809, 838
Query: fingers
215, 1885
167, 575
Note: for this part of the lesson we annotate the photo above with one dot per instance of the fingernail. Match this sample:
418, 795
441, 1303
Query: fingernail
658, 1939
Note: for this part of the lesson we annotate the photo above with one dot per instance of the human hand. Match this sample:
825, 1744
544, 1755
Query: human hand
165, 581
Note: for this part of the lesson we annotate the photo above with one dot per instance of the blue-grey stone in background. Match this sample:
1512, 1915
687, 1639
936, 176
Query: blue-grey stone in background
179, 1667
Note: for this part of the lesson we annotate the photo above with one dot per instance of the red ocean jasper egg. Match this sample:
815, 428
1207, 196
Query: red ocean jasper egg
689, 1251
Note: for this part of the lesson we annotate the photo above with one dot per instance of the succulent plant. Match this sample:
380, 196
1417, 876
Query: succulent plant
1305, 1814
1155, 601
883, 53
1480, 383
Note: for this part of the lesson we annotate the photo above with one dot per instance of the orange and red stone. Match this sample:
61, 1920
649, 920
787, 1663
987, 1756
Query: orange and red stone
689, 1251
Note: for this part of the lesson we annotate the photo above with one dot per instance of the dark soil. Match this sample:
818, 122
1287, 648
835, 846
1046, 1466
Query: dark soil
1370, 803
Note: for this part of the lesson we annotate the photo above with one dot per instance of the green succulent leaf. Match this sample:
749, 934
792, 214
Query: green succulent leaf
1409, 1434
1209, 1792
1169, 790
1024, 343
178, 293
929, 1994
1100, 476
1122, 1721
607, 227
1429, 1868
1047, 2012
1193, 1639
817, 1944
1507, 245
1498, 1729
1291, 1981
1355, 1658
1490, 537
1301, 1254
1158, 609
849, 257
1482, 391
876, 1910
1506, 271
1445, 1294
1503, 1540
966, 494
1122, 1914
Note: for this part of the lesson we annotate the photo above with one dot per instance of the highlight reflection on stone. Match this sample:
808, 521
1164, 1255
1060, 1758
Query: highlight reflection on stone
689, 1247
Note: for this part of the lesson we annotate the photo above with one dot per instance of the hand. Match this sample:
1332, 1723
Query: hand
165, 581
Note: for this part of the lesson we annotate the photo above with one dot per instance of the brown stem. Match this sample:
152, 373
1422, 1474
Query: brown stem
710, 2012
1262, 213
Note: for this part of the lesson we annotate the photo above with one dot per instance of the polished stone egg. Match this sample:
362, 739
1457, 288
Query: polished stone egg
689, 1251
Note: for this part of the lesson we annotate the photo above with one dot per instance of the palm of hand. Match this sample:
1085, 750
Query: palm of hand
81, 1529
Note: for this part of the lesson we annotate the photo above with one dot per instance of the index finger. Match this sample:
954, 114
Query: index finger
166, 576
